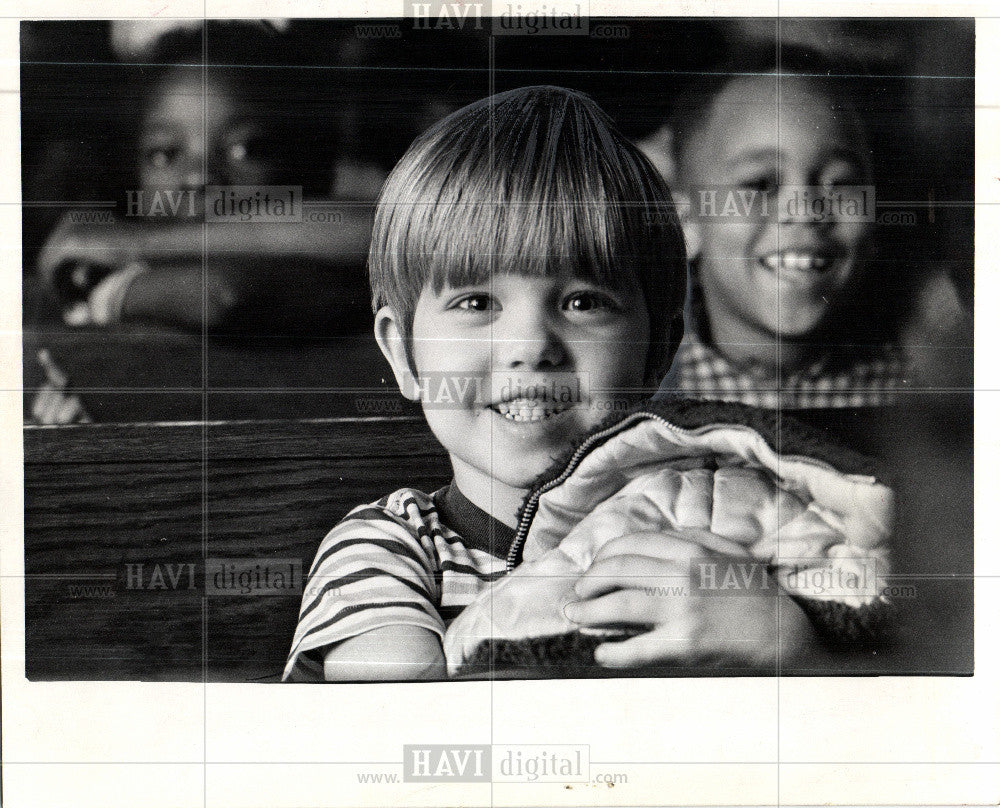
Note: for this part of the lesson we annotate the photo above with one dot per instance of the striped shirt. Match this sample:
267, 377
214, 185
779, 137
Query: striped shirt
408, 559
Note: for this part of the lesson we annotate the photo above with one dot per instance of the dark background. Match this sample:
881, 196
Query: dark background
916, 90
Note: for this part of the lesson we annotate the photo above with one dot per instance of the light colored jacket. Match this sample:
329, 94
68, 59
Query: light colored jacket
810, 517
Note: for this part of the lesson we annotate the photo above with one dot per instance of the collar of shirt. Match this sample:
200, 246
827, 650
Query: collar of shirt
832, 380
479, 530
702, 372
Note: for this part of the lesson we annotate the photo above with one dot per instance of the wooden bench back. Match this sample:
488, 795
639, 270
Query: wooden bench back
120, 520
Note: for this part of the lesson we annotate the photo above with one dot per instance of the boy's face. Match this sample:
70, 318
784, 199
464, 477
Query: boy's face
780, 272
512, 371
196, 134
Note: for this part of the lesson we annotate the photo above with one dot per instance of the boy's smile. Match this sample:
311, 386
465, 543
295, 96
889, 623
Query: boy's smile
512, 372
799, 265
780, 272
528, 408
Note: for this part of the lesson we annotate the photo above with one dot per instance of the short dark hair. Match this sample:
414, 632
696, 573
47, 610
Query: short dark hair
536, 181
693, 105
260, 65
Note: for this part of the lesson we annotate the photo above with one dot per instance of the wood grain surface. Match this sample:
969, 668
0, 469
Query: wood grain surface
144, 374
101, 499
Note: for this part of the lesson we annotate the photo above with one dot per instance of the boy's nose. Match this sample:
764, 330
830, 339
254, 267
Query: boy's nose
201, 171
804, 205
528, 344
194, 181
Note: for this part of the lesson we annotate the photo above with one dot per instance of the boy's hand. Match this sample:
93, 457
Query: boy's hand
54, 404
88, 244
662, 580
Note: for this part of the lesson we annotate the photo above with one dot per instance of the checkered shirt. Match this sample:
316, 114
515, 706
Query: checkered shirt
700, 371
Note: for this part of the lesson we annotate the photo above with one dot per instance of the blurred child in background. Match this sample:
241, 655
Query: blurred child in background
217, 108
779, 315
214, 106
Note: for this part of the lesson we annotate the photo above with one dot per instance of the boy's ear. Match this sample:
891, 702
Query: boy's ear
689, 224
389, 336
658, 147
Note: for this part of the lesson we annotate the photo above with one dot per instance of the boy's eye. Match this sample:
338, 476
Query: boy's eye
476, 303
589, 301
764, 184
237, 152
253, 148
243, 151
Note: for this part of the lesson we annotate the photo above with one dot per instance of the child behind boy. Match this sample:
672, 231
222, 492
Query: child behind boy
783, 311
233, 116
526, 283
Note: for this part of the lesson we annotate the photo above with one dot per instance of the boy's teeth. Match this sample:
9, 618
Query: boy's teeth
796, 261
519, 409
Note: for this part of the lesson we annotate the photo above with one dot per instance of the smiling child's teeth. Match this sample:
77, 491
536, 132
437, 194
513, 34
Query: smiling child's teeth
520, 409
794, 261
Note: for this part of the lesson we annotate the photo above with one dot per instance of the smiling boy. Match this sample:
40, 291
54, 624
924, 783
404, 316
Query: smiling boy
528, 276
516, 331
520, 248
769, 325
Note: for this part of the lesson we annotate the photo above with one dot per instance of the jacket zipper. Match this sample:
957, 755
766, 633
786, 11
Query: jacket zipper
531, 506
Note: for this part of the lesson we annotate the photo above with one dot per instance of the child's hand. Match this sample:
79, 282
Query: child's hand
90, 266
54, 404
655, 579
85, 244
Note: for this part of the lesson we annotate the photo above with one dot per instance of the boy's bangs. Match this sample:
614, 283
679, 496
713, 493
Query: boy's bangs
533, 239
542, 185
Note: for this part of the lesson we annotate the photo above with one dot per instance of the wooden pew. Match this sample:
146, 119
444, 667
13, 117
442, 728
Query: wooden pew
102, 499
135, 373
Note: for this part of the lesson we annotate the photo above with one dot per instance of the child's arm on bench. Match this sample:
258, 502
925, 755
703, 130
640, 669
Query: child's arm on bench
370, 606
258, 295
283, 278
116, 243
388, 653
